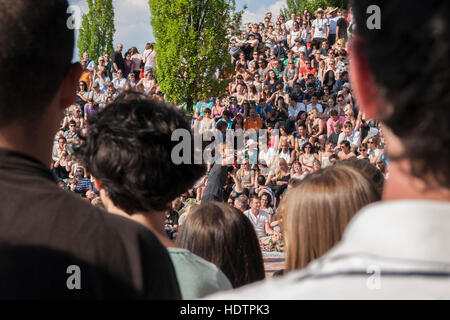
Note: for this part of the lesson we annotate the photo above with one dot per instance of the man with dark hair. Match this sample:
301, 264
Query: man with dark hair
350, 135
346, 152
141, 185
259, 218
341, 26
52, 244
397, 248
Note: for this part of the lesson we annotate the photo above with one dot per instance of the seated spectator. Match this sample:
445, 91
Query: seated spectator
62, 168
334, 117
308, 156
90, 108
350, 135
139, 185
254, 121
307, 69
83, 183
120, 81
224, 236
82, 93
260, 220
346, 152
72, 137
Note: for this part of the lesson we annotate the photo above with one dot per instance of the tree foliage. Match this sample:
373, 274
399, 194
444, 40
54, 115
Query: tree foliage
192, 47
97, 29
298, 6
292, 6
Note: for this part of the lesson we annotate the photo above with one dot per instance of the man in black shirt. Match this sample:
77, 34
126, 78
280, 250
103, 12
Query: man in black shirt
341, 26
118, 63
52, 244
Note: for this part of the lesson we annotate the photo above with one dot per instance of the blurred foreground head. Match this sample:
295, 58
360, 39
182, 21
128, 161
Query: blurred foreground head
401, 75
224, 236
35, 56
128, 149
317, 211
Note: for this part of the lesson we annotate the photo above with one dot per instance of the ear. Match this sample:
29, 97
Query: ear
361, 77
98, 185
69, 85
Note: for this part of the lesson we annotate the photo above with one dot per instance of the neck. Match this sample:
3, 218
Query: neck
16, 136
401, 185
153, 220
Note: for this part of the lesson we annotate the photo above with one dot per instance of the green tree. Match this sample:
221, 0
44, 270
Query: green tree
298, 6
97, 29
292, 6
192, 47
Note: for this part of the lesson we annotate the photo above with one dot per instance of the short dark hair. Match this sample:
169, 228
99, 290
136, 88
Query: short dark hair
129, 150
346, 143
367, 169
37, 46
261, 180
227, 113
253, 197
425, 135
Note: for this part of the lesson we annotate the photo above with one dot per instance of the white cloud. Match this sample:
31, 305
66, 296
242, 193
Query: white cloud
258, 16
132, 22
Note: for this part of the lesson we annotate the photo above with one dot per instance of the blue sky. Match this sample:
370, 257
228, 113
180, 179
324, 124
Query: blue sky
132, 18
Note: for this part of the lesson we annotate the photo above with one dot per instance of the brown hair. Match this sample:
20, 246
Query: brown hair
222, 235
366, 168
317, 211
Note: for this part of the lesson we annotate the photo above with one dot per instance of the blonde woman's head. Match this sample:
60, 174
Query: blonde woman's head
317, 211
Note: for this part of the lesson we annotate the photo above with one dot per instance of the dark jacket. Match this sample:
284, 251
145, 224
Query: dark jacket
49, 237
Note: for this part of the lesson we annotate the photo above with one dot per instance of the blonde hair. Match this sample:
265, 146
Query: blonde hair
280, 173
314, 112
317, 211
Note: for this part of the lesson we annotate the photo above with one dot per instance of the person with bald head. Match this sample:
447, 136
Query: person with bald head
118, 61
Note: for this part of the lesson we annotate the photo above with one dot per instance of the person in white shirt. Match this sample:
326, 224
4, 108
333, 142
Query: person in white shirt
289, 24
259, 219
148, 57
352, 136
314, 105
119, 82
320, 27
398, 248
293, 111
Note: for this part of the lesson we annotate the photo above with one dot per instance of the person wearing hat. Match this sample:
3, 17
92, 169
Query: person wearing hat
320, 28
333, 19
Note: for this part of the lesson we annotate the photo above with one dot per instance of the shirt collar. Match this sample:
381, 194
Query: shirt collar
17, 162
403, 229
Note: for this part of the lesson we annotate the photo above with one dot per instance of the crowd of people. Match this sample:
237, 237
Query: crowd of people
310, 186
291, 78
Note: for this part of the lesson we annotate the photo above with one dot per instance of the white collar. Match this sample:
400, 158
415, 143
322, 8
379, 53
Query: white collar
401, 229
